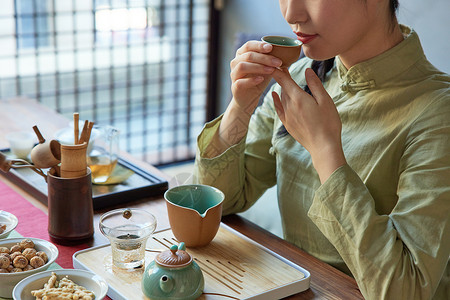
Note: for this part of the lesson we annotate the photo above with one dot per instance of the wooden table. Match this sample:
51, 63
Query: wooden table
326, 281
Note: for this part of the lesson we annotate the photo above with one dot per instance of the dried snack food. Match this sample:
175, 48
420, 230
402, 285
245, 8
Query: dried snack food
21, 257
62, 289
2, 228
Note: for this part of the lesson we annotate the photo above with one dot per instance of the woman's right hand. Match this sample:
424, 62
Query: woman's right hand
251, 71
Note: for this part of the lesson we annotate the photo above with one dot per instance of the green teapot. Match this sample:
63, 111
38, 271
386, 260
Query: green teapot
173, 275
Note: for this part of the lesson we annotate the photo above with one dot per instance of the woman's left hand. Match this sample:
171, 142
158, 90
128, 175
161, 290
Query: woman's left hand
312, 120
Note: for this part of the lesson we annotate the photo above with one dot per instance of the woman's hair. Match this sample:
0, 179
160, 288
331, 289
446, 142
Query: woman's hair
321, 67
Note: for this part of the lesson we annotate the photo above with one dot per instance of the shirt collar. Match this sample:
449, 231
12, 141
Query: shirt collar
382, 68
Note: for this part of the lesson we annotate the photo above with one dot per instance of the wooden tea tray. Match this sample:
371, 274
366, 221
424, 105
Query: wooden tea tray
232, 265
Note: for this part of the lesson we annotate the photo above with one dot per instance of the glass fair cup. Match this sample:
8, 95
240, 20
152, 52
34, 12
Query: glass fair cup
103, 157
128, 230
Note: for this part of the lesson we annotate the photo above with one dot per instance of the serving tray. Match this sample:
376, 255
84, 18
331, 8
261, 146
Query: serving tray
234, 267
140, 184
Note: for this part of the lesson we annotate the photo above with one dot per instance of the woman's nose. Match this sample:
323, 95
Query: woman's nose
293, 11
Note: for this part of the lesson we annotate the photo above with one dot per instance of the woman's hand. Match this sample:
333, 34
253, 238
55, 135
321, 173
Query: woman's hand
251, 71
312, 120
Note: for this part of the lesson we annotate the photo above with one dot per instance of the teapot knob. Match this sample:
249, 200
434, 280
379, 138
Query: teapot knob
166, 283
182, 246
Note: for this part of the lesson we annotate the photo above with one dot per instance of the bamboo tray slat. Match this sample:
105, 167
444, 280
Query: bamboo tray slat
232, 265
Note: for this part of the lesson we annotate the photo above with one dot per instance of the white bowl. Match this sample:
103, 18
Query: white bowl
9, 280
10, 221
89, 280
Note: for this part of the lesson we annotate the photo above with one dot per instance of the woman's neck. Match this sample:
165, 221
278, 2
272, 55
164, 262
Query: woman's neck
375, 43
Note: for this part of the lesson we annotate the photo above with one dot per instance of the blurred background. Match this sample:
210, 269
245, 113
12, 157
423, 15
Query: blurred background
155, 69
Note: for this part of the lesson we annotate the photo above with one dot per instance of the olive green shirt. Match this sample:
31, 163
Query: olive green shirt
383, 217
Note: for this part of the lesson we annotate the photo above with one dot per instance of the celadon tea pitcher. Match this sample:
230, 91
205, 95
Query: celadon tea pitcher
195, 212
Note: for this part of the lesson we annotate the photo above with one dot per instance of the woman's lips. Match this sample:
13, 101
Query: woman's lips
305, 38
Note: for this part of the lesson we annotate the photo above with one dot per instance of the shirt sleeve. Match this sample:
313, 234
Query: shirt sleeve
405, 254
244, 171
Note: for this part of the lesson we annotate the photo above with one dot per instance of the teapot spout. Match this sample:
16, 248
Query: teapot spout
166, 283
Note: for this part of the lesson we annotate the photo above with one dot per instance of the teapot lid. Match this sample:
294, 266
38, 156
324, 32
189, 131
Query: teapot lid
176, 257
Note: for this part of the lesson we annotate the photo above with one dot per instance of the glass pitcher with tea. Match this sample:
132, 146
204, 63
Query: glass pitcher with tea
103, 156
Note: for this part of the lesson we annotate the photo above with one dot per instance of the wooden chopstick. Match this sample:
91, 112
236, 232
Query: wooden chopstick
76, 118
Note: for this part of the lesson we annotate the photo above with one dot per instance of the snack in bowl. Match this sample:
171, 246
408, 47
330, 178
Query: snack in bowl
56, 282
19, 266
22, 257
64, 288
8, 223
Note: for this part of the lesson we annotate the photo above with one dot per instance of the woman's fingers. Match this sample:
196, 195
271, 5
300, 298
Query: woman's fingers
254, 46
284, 79
315, 86
246, 69
278, 106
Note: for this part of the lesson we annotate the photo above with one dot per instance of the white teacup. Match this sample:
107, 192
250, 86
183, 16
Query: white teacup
21, 143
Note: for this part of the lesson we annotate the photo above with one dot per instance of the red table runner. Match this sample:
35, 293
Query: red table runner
33, 222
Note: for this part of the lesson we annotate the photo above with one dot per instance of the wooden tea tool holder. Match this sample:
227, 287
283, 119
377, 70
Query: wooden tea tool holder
70, 208
73, 160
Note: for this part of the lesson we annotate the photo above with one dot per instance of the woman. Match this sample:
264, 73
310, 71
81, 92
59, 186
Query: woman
360, 159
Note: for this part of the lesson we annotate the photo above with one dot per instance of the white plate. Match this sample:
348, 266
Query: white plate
89, 280
10, 221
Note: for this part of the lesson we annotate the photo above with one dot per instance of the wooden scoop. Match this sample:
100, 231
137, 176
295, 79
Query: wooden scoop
47, 153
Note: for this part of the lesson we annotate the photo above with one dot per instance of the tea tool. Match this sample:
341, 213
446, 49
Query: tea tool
128, 231
6, 164
47, 153
76, 119
73, 157
73, 160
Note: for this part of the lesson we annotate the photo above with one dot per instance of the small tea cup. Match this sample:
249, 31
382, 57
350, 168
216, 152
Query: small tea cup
21, 143
285, 48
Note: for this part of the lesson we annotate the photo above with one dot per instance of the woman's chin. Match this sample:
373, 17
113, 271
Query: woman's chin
315, 55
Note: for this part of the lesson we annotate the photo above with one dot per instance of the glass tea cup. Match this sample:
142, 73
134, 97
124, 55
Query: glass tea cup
103, 157
128, 230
